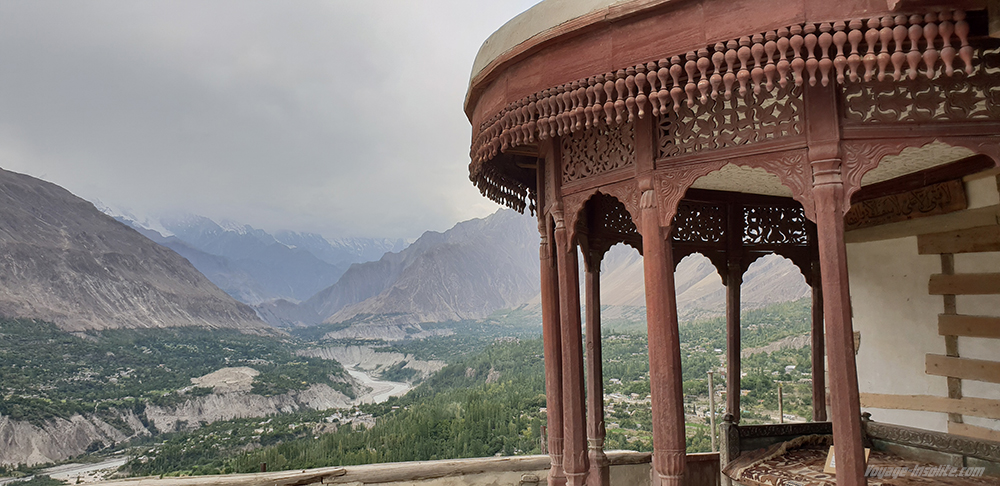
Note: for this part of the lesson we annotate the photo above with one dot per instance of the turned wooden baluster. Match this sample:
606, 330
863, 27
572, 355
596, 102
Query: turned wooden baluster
948, 53
854, 60
930, 36
731, 58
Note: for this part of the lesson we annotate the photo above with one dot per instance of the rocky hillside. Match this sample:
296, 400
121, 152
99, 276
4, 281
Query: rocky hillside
23, 442
700, 291
63, 261
467, 272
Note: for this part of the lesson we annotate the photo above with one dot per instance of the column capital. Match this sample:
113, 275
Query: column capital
827, 171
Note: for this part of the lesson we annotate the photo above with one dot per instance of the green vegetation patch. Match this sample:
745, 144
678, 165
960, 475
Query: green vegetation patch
47, 373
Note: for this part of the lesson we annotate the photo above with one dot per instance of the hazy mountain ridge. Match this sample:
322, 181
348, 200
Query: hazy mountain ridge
63, 261
255, 266
467, 272
700, 291
484, 265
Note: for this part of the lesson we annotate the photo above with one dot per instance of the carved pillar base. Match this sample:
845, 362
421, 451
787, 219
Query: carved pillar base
729, 446
600, 466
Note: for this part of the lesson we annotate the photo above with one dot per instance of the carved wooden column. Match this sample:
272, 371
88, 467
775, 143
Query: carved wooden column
818, 350
552, 342
664, 346
551, 332
829, 196
669, 445
600, 470
575, 463
733, 281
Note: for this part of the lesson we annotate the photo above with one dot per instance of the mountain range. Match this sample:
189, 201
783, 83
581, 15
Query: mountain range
484, 265
294, 279
63, 261
255, 266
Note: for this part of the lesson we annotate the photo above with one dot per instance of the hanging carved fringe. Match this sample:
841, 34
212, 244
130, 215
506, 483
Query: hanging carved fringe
878, 48
501, 189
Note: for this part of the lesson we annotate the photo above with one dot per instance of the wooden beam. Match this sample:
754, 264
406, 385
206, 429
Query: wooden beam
969, 218
974, 431
936, 199
966, 369
282, 478
971, 240
969, 326
965, 284
976, 407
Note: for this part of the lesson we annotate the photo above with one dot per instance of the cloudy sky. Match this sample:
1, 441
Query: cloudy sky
339, 117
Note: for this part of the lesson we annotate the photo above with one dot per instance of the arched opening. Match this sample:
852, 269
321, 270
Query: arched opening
775, 343
741, 217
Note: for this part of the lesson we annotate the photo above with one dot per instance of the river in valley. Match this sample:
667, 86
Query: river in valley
380, 390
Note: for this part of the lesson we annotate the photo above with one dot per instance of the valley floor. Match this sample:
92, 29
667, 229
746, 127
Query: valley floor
488, 400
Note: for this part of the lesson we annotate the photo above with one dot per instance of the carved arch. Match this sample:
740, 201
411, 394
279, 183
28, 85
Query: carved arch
718, 259
862, 156
790, 167
626, 192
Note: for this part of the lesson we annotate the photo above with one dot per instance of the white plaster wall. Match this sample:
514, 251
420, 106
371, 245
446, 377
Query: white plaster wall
897, 320
981, 191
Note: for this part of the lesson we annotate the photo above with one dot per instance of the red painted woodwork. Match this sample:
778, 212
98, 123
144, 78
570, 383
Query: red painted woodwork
733, 281
664, 351
629, 105
818, 348
600, 470
551, 330
575, 461
830, 193
552, 341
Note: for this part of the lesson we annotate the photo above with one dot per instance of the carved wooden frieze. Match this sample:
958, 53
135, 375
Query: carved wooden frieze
672, 184
791, 167
934, 440
941, 198
769, 225
780, 430
963, 97
893, 47
611, 224
627, 193
505, 190
859, 157
699, 223
593, 152
729, 122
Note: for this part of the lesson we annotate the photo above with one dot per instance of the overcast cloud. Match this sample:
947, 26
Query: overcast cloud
343, 118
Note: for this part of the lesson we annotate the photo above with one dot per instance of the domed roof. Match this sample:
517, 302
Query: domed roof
535, 21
